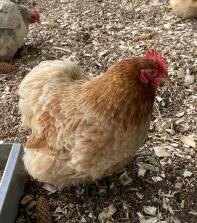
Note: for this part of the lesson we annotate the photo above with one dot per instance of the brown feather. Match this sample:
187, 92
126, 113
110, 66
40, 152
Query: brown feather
119, 95
35, 142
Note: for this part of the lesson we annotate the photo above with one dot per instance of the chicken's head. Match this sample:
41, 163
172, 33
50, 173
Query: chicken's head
153, 69
34, 16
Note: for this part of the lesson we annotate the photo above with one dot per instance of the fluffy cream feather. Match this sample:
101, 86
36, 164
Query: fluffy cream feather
71, 140
184, 8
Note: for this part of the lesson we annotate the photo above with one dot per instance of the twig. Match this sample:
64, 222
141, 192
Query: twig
92, 212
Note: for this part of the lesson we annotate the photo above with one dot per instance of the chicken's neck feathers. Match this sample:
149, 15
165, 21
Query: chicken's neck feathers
119, 99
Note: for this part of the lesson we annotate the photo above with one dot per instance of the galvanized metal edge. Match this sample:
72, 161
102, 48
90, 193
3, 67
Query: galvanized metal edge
12, 185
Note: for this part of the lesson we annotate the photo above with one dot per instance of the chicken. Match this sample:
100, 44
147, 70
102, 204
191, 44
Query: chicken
84, 129
184, 8
14, 23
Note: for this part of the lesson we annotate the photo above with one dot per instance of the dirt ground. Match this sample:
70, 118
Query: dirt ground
160, 182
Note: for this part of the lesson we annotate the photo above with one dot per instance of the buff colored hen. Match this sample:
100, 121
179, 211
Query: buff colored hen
83, 128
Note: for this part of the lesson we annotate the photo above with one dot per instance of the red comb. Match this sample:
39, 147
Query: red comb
37, 13
157, 58
152, 54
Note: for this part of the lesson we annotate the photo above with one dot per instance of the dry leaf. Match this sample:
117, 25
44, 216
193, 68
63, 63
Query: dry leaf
26, 199
157, 179
150, 220
188, 140
161, 151
107, 213
141, 171
180, 114
187, 173
189, 79
126, 210
193, 213
83, 220
49, 188
139, 195
150, 210
150, 167
140, 215
125, 179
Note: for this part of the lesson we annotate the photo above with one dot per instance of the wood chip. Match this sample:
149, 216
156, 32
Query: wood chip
187, 173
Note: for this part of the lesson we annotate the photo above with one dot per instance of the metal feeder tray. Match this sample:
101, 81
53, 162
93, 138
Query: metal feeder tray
12, 182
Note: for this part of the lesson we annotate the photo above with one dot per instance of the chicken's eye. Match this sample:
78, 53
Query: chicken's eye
152, 71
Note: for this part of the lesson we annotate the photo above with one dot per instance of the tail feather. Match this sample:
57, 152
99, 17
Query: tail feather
42, 82
59, 68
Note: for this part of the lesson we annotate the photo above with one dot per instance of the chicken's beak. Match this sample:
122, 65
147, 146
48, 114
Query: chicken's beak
166, 79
